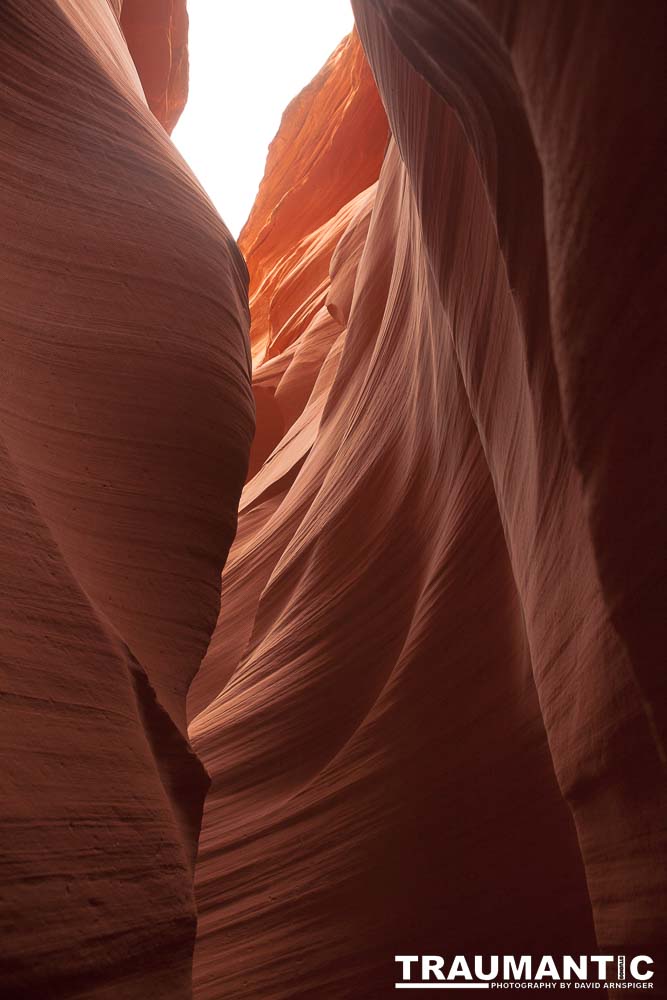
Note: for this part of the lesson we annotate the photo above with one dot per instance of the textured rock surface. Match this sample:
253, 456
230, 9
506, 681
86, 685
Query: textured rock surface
125, 425
432, 707
431, 714
339, 129
156, 32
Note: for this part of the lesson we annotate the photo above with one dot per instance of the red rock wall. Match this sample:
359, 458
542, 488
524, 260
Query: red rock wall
581, 514
432, 708
156, 32
125, 425
430, 712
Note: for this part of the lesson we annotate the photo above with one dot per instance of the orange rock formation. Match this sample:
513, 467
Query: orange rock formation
432, 709
427, 712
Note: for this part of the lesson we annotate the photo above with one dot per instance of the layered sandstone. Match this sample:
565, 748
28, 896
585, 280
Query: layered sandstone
431, 709
156, 32
125, 428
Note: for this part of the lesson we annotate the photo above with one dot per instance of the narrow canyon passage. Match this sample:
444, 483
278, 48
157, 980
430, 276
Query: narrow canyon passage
411, 422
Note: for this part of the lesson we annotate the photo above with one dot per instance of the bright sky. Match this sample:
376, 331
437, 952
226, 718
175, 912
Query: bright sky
248, 59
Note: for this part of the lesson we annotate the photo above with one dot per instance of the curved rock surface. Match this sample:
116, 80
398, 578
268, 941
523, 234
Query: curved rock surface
431, 713
339, 129
125, 426
431, 709
156, 32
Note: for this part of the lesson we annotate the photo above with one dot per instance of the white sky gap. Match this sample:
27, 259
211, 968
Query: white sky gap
247, 61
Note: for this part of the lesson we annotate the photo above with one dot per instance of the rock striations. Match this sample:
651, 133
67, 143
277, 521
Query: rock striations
156, 32
431, 709
125, 425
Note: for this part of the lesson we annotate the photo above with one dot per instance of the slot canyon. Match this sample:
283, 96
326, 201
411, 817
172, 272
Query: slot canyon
332, 559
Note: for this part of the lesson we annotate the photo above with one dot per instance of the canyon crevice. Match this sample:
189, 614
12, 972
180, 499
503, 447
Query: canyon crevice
424, 709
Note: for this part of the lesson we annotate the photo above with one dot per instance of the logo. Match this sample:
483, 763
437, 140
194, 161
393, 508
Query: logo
506, 972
